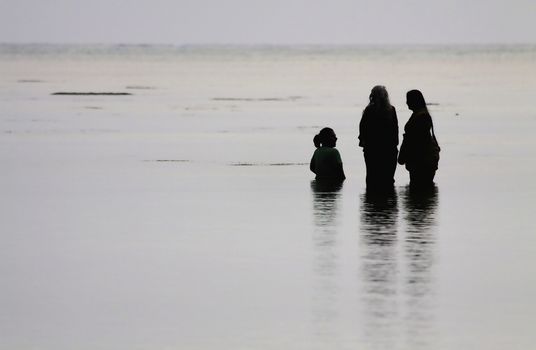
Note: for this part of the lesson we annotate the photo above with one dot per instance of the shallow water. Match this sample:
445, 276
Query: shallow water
185, 216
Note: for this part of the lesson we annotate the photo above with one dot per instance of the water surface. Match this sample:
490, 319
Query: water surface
184, 215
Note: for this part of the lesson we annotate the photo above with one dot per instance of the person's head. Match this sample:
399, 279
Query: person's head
325, 138
415, 100
379, 97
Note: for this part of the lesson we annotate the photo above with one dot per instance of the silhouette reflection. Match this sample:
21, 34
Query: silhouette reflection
397, 261
420, 206
325, 202
379, 218
326, 198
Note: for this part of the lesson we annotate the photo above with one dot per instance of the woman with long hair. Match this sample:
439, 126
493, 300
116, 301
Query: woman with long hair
419, 150
378, 135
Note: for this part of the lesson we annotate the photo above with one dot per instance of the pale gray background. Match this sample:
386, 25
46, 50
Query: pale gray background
268, 21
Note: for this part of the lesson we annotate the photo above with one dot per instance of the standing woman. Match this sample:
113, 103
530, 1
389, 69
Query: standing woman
378, 135
419, 150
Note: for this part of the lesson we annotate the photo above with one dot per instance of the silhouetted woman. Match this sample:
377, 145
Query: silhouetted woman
378, 135
419, 150
326, 162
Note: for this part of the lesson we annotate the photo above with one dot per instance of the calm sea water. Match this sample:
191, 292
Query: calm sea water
184, 216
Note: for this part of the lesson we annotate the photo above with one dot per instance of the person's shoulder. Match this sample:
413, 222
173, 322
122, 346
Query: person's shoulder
392, 111
425, 115
335, 152
368, 110
327, 150
422, 113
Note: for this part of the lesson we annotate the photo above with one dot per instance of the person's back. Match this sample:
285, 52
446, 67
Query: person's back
378, 135
378, 129
326, 162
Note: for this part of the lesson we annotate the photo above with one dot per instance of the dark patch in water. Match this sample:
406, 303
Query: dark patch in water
139, 87
266, 164
261, 99
242, 164
30, 81
61, 132
92, 93
199, 108
287, 164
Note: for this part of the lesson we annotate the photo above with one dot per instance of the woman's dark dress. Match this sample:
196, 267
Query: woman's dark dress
378, 135
415, 152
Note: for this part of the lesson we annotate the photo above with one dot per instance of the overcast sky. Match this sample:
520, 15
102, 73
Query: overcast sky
268, 21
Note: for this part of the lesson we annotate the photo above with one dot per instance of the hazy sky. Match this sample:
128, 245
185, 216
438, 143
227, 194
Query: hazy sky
268, 21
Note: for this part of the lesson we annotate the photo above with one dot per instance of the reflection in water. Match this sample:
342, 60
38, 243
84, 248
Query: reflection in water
420, 208
326, 196
397, 268
325, 199
379, 215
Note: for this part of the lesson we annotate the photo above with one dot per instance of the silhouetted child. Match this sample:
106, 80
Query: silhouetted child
326, 162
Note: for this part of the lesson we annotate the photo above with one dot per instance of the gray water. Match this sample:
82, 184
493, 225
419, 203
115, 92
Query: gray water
184, 216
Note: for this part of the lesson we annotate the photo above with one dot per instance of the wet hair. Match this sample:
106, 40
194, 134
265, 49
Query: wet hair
326, 137
379, 97
416, 99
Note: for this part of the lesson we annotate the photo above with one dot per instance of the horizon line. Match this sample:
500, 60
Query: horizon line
267, 45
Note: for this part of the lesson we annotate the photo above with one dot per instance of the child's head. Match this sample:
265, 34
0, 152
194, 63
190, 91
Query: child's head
325, 138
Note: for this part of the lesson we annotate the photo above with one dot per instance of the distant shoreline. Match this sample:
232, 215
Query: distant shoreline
59, 47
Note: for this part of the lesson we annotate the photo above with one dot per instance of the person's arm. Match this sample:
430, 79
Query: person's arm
362, 129
421, 129
341, 172
340, 169
395, 127
312, 165
406, 147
